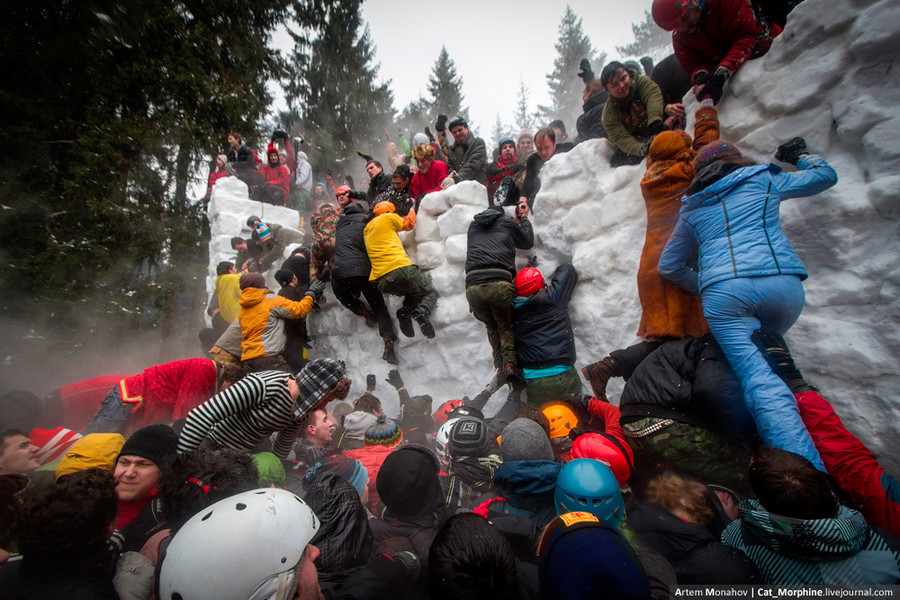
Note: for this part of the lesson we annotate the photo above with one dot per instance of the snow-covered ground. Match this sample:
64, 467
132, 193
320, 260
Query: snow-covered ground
830, 78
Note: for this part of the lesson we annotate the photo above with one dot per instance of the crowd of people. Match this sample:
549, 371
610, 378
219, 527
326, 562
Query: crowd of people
248, 474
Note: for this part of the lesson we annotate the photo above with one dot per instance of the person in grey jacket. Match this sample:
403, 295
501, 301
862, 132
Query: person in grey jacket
468, 156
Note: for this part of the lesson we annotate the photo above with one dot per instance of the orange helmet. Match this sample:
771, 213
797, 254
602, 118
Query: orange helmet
384, 207
562, 419
529, 281
342, 189
669, 13
600, 447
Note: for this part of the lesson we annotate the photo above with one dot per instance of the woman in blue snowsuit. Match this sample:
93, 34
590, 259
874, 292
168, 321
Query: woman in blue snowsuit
749, 276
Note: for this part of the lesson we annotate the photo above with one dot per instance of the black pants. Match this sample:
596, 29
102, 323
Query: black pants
347, 291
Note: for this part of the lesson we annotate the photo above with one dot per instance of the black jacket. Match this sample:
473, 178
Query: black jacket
544, 335
242, 154
469, 159
590, 123
87, 577
696, 555
378, 185
298, 264
688, 380
350, 257
492, 241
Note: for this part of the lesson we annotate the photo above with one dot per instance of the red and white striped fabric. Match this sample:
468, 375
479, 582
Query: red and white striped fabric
53, 443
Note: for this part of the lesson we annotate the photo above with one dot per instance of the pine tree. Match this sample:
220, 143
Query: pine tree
342, 106
499, 131
649, 39
524, 119
565, 85
445, 88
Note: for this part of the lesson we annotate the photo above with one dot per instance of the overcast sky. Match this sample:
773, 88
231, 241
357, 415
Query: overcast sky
493, 44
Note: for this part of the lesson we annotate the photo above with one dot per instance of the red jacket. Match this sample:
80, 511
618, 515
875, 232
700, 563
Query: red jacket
81, 400
729, 35
505, 165
612, 417
850, 463
278, 176
169, 391
429, 182
214, 176
371, 457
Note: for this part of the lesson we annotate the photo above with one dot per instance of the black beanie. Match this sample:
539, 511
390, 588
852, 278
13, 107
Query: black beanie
408, 481
156, 443
284, 276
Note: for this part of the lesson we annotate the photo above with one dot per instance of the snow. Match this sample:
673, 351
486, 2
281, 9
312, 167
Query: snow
828, 78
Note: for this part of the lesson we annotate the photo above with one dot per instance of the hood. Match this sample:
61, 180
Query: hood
819, 539
527, 477
354, 208
253, 296
486, 218
718, 178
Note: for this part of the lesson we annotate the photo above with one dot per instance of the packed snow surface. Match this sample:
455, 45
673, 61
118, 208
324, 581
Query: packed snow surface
829, 78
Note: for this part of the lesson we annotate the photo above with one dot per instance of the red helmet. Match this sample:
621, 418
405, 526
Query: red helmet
529, 281
443, 412
669, 13
599, 447
342, 189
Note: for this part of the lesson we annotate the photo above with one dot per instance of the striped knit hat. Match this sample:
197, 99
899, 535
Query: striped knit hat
718, 150
53, 443
383, 433
317, 378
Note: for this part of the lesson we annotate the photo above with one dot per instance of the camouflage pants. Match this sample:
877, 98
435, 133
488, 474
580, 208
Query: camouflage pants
492, 303
411, 283
695, 452
547, 389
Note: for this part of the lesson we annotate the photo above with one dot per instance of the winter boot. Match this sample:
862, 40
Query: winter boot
598, 374
774, 349
369, 316
404, 319
421, 314
389, 355
496, 383
507, 193
513, 376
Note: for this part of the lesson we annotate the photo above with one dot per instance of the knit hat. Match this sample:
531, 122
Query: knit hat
284, 276
457, 122
53, 443
270, 467
271, 150
383, 433
408, 483
525, 135
349, 468
154, 442
580, 558
523, 439
713, 151
356, 424
261, 230
93, 450
222, 157
469, 437
316, 379
252, 280
505, 140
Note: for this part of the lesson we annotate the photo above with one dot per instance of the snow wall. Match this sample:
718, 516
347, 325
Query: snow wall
830, 78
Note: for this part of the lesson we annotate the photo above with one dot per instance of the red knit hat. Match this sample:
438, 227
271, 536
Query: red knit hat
53, 443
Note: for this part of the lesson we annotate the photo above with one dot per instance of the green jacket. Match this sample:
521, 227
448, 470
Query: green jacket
624, 119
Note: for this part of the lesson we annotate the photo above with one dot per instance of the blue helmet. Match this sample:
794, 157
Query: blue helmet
588, 485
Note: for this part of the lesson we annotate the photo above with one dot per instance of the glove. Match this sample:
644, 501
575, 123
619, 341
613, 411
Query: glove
278, 134
581, 401
394, 379
315, 288
791, 151
778, 355
585, 71
357, 195
447, 182
701, 77
429, 134
713, 88
362, 154
370, 382
441, 124
656, 127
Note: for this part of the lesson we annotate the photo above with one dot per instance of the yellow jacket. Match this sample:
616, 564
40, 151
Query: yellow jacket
228, 290
385, 249
262, 321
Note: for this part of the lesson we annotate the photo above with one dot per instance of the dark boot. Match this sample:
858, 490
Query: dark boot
597, 374
404, 319
513, 376
369, 316
389, 355
421, 314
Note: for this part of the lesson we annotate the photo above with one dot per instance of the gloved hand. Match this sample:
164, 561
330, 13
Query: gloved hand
370, 382
357, 195
429, 134
315, 288
791, 151
656, 127
714, 85
441, 124
362, 154
394, 379
278, 134
447, 182
585, 71
700, 77
581, 401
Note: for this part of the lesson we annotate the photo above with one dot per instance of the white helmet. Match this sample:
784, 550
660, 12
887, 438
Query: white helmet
442, 441
242, 547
